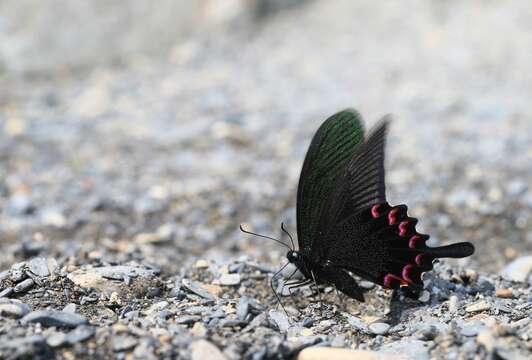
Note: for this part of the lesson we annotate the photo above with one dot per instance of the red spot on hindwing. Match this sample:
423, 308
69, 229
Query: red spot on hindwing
407, 270
419, 259
413, 241
403, 230
375, 211
390, 278
392, 218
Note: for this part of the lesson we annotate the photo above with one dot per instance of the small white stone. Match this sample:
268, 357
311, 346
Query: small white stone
453, 304
230, 279
379, 328
518, 269
478, 307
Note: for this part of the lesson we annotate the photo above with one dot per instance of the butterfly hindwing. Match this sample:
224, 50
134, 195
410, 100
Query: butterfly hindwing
330, 151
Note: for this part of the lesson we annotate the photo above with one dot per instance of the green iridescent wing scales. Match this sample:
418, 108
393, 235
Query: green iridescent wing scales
330, 151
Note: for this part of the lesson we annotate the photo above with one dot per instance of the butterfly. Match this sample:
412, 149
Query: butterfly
345, 226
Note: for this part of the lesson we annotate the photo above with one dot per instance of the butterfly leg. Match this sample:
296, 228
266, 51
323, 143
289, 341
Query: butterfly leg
317, 288
297, 284
279, 302
287, 282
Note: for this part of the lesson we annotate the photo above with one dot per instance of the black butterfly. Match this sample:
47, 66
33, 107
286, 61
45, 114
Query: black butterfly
344, 224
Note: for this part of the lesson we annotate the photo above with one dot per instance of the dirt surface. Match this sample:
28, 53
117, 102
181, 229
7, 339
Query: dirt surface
146, 167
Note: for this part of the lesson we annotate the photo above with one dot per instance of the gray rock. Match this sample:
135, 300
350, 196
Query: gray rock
472, 329
379, 328
20, 204
6, 292
357, 323
518, 270
24, 285
242, 308
307, 322
39, 266
196, 288
33, 346
407, 349
187, 319
70, 308
453, 304
4, 275
81, 333
56, 339
338, 341
428, 332
14, 309
424, 297
279, 319
54, 318
123, 343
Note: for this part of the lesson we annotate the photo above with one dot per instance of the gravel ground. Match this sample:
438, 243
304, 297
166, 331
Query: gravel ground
123, 187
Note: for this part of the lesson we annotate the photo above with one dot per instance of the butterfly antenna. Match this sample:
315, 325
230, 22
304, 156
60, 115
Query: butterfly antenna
290, 236
273, 288
263, 236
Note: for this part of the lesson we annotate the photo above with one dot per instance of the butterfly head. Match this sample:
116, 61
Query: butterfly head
293, 256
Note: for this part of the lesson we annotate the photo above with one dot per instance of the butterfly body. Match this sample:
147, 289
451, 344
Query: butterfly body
345, 225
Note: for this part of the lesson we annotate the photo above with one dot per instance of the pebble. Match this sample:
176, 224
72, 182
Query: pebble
471, 330
306, 332
123, 343
24, 286
6, 292
504, 293
424, 297
202, 264
99, 277
53, 217
368, 285
477, 307
330, 353
70, 308
203, 349
486, 339
307, 322
81, 333
14, 309
56, 339
357, 323
338, 341
242, 308
379, 328
407, 349
279, 319
198, 330
197, 288
428, 332
187, 319
20, 204
518, 270
39, 266
230, 279
454, 304
54, 318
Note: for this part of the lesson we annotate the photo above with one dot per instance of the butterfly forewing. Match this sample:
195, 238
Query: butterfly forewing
360, 185
329, 153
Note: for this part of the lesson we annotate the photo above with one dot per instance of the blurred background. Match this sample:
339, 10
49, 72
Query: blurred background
150, 130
